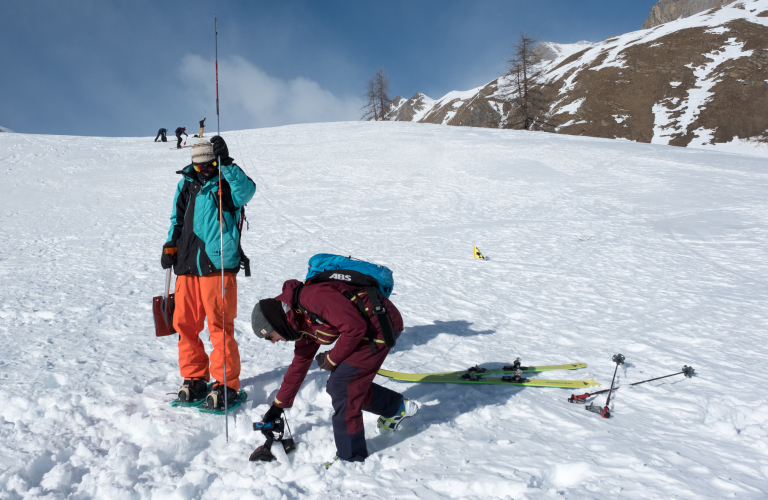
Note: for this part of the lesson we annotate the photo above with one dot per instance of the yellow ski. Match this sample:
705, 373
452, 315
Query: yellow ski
468, 377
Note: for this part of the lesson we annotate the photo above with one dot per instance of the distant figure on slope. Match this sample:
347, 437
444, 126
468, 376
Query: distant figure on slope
193, 243
202, 127
179, 131
161, 135
354, 360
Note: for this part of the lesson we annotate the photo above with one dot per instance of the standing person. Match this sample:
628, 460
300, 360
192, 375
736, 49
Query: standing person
179, 131
202, 127
161, 135
192, 248
353, 361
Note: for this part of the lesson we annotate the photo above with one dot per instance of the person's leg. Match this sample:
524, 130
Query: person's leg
348, 387
178, 143
201, 132
188, 321
210, 287
382, 401
157, 136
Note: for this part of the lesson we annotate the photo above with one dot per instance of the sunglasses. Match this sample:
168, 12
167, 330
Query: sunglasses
204, 168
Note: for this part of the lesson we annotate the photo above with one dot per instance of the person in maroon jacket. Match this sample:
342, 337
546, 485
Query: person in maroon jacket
357, 355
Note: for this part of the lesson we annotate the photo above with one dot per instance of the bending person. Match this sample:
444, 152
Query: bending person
357, 355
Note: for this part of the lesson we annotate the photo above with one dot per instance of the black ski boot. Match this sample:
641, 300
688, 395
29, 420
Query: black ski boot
192, 389
215, 399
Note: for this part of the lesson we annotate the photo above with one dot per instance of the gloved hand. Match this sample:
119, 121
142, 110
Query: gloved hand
323, 363
273, 413
220, 150
169, 255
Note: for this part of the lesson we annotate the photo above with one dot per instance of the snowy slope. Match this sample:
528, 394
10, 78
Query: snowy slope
4, 129
596, 247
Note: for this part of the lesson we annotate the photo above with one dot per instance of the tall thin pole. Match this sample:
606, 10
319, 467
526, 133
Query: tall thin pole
221, 243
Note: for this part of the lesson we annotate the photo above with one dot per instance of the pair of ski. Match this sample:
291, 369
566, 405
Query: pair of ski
242, 396
511, 375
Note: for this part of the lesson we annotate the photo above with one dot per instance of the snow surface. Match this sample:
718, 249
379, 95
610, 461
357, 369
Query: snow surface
595, 246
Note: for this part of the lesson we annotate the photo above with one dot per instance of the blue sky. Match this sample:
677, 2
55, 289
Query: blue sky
127, 68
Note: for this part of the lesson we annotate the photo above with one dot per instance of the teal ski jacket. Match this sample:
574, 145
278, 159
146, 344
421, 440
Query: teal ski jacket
195, 220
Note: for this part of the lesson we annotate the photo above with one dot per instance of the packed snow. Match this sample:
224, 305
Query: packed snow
595, 247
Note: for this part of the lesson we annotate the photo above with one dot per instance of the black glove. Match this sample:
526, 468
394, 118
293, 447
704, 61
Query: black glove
169, 255
220, 150
323, 363
273, 413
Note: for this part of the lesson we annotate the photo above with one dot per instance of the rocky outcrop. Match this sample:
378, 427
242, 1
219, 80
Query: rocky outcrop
409, 110
3, 129
671, 10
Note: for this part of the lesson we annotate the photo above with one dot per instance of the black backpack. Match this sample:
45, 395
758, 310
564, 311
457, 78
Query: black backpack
368, 291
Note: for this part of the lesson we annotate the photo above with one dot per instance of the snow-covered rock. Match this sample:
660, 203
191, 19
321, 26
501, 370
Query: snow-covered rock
595, 247
7, 130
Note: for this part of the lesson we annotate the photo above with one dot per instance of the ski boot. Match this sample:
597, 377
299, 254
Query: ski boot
407, 409
192, 390
215, 398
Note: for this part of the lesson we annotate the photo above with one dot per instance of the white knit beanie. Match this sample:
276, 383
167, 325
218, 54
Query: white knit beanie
202, 152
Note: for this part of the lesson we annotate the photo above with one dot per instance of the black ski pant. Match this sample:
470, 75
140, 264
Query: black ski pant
178, 142
352, 391
161, 136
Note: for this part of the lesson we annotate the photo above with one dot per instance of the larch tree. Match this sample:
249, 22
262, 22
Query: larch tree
377, 100
525, 88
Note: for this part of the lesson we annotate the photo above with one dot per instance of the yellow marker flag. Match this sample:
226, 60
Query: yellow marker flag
478, 255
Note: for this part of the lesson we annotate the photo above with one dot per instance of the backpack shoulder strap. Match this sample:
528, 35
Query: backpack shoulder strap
297, 302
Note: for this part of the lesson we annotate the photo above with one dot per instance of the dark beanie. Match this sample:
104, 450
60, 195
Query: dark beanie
269, 312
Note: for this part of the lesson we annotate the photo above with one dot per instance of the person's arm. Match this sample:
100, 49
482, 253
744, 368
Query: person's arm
338, 311
242, 186
303, 355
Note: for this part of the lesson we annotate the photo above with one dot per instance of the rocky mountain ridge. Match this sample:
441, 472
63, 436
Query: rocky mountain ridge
672, 10
698, 80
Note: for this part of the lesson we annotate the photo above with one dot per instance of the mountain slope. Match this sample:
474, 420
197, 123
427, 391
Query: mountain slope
695, 81
689, 82
595, 247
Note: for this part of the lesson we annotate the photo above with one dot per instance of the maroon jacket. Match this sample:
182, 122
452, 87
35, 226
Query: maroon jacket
344, 325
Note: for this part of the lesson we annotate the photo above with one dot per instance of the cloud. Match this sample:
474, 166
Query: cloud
251, 98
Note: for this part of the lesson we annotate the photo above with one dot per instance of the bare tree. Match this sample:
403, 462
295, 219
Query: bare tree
524, 87
376, 96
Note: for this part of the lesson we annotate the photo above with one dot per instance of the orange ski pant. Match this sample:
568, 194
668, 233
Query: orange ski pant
197, 298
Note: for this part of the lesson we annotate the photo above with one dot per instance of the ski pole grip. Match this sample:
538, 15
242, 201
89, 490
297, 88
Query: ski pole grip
576, 398
171, 251
606, 412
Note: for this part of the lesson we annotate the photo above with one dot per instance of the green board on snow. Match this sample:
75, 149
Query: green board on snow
195, 403
231, 405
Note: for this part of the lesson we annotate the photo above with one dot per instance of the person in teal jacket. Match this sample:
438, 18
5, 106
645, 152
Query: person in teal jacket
193, 248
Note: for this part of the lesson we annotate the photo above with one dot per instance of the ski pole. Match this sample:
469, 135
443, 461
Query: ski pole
221, 240
605, 412
688, 371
